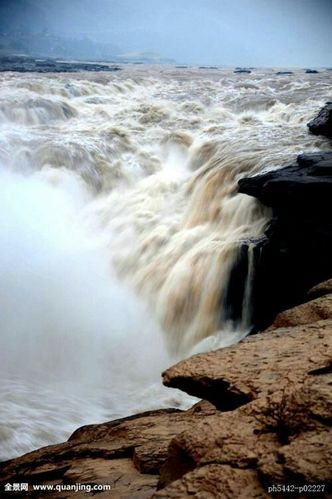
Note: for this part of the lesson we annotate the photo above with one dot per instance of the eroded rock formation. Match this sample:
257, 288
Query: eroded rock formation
266, 421
125, 454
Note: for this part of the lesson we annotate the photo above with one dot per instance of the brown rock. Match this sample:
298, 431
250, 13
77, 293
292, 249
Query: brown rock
321, 289
233, 376
306, 313
215, 481
281, 438
308, 459
218, 439
319, 307
280, 432
272, 426
300, 417
125, 454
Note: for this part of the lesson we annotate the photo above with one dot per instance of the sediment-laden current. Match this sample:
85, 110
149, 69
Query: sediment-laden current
119, 223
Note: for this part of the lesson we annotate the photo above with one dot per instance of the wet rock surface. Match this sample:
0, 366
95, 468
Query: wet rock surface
294, 253
322, 124
242, 70
311, 174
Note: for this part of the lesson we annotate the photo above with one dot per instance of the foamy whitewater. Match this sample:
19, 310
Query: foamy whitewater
119, 224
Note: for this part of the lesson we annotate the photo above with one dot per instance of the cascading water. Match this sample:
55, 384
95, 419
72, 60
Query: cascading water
119, 225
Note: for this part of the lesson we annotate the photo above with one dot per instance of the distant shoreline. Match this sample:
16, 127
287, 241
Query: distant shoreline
32, 64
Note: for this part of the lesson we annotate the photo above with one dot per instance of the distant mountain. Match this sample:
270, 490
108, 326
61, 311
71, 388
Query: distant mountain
108, 30
21, 15
35, 28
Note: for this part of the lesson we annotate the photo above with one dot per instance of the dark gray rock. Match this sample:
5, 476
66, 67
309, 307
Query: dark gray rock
295, 252
305, 186
242, 70
21, 64
322, 124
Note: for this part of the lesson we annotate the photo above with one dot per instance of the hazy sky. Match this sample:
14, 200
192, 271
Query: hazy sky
229, 32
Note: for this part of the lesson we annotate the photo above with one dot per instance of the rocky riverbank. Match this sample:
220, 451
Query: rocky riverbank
264, 426
265, 422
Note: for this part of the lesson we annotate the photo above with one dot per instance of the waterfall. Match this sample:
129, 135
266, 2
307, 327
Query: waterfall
120, 224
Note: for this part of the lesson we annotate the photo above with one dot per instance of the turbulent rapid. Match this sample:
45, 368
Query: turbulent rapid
120, 223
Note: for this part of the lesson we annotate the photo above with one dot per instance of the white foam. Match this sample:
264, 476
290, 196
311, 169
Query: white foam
76, 345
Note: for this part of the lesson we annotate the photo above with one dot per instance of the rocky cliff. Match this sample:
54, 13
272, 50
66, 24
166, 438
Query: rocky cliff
295, 252
265, 422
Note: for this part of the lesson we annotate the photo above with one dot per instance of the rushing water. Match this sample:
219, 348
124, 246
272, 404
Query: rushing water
119, 223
